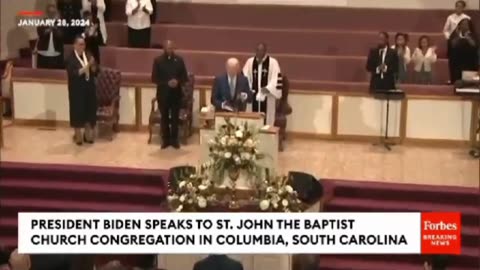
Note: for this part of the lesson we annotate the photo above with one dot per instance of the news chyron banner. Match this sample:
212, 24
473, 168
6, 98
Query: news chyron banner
239, 233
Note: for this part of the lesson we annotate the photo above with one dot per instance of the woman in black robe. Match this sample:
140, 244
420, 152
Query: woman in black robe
81, 69
463, 50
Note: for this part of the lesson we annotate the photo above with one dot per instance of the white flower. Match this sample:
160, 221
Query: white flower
189, 186
237, 159
228, 155
281, 191
246, 156
190, 201
223, 140
269, 189
285, 202
202, 187
264, 205
275, 205
181, 184
211, 141
248, 143
239, 134
172, 197
232, 141
179, 208
182, 198
289, 189
202, 202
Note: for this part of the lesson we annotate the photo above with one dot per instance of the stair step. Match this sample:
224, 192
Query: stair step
81, 191
470, 214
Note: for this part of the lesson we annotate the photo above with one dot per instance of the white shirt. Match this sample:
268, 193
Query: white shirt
452, 22
383, 53
426, 60
141, 19
87, 6
232, 82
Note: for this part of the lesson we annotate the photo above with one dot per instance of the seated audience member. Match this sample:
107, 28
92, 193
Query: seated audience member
49, 47
218, 262
463, 55
382, 63
450, 26
437, 262
93, 36
70, 10
97, 10
262, 72
404, 56
139, 30
4, 256
39, 262
231, 90
423, 59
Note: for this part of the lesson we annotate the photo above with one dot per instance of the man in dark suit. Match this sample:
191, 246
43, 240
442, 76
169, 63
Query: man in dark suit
170, 75
218, 262
231, 90
382, 63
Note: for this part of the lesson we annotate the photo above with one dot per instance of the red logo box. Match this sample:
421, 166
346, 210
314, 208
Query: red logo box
441, 233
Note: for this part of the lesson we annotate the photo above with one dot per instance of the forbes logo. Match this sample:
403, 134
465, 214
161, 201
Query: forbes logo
439, 226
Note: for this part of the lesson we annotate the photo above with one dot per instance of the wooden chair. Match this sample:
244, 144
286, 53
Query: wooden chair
185, 115
283, 110
108, 97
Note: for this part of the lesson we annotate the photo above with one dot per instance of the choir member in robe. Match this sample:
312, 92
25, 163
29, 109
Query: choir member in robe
463, 54
81, 70
404, 56
423, 58
262, 72
450, 25
170, 75
49, 48
382, 63
139, 24
93, 36
70, 10
97, 10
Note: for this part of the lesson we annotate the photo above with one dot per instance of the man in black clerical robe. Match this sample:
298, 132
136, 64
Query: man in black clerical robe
170, 75
49, 47
382, 63
218, 262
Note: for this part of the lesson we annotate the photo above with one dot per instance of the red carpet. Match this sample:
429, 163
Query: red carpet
62, 188
355, 196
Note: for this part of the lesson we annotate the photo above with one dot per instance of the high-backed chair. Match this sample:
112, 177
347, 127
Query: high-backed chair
283, 110
108, 97
185, 115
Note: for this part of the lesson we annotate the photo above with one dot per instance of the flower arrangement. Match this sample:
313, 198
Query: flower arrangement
234, 148
194, 192
276, 195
